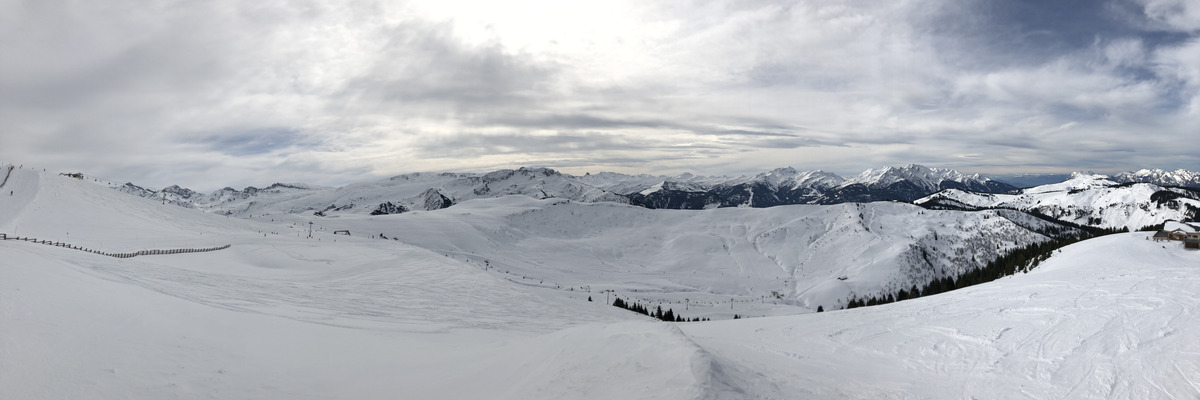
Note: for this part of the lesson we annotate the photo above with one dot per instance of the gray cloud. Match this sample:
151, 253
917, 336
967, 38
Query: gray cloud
422, 63
209, 94
251, 142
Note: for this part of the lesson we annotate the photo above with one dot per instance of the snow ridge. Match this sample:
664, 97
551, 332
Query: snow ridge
1179, 177
1086, 199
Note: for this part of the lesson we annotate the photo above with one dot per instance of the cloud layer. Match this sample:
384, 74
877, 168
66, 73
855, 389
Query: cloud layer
209, 94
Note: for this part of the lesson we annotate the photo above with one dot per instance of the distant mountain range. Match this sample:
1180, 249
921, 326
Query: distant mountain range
1176, 178
1085, 199
430, 191
783, 186
787, 186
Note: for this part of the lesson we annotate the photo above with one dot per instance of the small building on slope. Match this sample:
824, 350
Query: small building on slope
1174, 230
1192, 241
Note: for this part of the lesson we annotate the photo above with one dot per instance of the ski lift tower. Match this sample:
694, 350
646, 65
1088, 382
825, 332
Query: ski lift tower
310, 229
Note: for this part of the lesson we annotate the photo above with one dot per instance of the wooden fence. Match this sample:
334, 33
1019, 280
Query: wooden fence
117, 255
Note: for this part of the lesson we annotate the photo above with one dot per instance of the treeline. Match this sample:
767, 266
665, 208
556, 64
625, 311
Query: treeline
1022, 259
668, 315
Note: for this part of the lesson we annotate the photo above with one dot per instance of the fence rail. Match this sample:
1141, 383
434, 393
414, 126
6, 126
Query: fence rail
8, 172
117, 255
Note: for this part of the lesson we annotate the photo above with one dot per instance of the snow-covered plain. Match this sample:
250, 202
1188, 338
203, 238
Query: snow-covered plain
438, 311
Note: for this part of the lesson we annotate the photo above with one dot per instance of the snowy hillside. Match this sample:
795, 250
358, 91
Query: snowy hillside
803, 255
1107, 318
448, 306
1093, 200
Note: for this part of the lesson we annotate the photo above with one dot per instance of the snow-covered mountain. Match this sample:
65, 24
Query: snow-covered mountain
781, 186
804, 255
1085, 199
401, 193
506, 298
788, 186
910, 183
222, 200
430, 191
1176, 178
807, 255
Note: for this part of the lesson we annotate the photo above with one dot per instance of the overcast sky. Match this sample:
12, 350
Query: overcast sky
208, 94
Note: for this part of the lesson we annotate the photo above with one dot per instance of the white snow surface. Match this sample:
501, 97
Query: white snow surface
1109, 318
1170, 226
279, 315
1081, 200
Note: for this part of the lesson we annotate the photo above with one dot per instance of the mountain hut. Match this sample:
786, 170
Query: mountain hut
1192, 241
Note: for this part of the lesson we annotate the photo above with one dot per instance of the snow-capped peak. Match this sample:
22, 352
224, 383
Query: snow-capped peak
817, 179
920, 175
1179, 177
1078, 181
776, 176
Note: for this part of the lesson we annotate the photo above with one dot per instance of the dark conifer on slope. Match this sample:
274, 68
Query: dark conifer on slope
1021, 259
668, 315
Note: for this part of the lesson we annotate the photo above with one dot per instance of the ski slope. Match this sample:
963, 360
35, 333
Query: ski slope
1109, 318
279, 315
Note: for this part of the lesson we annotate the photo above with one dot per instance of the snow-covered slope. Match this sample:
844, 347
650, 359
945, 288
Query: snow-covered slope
807, 255
279, 315
1093, 200
421, 315
1107, 318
